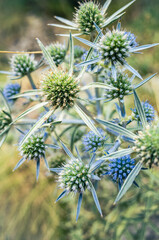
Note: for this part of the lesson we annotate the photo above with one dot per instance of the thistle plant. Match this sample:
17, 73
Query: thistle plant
87, 110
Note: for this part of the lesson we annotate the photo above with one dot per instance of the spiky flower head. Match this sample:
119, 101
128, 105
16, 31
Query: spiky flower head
119, 168
93, 142
23, 64
132, 39
122, 84
114, 46
146, 145
88, 13
60, 89
57, 52
34, 148
78, 52
75, 176
5, 119
10, 90
149, 112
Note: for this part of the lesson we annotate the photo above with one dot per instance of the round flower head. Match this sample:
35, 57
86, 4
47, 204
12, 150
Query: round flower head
146, 145
149, 112
34, 148
60, 89
75, 176
92, 142
23, 64
5, 119
57, 52
86, 15
114, 46
122, 84
10, 90
119, 168
132, 39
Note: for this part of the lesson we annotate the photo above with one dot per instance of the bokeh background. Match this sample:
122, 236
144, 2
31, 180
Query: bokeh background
27, 209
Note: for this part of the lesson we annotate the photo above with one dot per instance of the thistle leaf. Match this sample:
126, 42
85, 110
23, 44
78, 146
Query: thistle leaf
67, 151
71, 45
19, 163
95, 199
86, 119
121, 130
136, 49
131, 69
37, 169
37, 106
61, 195
105, 6
88, 43
144, 81
140, 109
62, 26
36, 126
129, 181
68, 22
47, 56
117, 154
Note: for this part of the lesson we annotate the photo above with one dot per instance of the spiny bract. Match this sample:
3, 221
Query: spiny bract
147, 145
75, 176
57, 52
122, 84
86, 15
23, 64
60, 89
114, 47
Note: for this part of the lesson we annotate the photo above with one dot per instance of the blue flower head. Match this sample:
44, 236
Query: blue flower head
132, 39
92, 142
119, 168
10, 90
149, 112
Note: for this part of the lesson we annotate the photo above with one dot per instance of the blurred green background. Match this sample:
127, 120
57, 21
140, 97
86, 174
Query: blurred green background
27, 208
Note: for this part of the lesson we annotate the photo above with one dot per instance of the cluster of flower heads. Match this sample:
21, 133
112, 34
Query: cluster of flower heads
23, 64
57, 52
119, 168
146, 145
60, 89
92, 142
149, 112
122, 85
10, 90
86, 15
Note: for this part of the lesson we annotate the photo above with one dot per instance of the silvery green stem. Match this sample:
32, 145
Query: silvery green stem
115, 147
31, 81
98, 106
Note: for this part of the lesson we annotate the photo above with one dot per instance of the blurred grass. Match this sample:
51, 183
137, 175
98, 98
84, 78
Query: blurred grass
27, 208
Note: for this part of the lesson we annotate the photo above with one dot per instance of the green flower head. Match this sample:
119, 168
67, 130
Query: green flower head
57, 52
5, 119
23, 64
60, 89
88, 13
146, 145
114, 46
